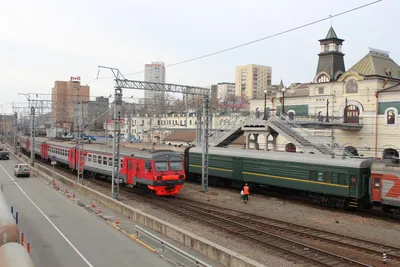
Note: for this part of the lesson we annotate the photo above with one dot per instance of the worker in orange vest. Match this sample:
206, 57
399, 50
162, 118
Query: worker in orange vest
246, 193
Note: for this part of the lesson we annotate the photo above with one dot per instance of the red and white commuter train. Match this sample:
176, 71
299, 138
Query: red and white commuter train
161, 171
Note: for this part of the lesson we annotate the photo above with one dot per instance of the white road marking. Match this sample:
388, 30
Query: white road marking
48, 219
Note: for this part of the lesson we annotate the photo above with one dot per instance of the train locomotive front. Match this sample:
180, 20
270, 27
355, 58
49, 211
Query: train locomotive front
168, 173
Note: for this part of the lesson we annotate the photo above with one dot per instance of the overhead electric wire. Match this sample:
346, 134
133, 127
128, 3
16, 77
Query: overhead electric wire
255, 41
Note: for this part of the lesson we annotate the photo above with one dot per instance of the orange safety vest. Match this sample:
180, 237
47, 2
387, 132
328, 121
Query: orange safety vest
245, 190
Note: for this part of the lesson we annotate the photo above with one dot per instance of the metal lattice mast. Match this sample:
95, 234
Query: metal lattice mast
15, 131
116, 144
204, 137
198, 128
32, 135
80, 146
130, 125
123, 83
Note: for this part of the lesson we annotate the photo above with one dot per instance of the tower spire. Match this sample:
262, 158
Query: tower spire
331, 58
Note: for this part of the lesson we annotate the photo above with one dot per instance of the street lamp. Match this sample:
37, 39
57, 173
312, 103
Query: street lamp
327, 110
283, 100
265, 105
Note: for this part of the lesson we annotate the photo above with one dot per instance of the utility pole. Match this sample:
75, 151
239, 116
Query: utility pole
204, 143
116, 144
79, 146
129, 125
15, 131
32, 135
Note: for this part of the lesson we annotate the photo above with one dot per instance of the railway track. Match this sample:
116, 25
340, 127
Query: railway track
297, 230
266, 231
244, 229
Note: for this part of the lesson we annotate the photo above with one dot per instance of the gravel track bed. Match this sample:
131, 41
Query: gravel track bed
379, 230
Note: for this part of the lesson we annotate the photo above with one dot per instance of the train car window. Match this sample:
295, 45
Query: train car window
161, 166
353, 179
377, 183
89, 157
147, 166
175, 163
313, 175
94, 158
110, 161
105, 160
328, 177
122, 163
99, 159
343, 179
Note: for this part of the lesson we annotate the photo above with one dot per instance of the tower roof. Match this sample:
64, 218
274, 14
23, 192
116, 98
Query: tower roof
331, 34
377, 63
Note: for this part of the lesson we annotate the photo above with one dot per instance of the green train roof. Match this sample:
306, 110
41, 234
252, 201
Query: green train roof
291, 157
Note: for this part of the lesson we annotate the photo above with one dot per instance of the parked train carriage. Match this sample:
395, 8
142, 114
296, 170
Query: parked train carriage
385, 186
338, 181
160, 171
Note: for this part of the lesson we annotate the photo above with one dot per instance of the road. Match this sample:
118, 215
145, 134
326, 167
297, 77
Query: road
61, 233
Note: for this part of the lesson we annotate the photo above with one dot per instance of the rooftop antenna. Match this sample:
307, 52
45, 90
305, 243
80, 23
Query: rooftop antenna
331, 19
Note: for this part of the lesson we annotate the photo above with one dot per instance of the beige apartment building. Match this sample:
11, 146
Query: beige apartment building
251, 80
64, 94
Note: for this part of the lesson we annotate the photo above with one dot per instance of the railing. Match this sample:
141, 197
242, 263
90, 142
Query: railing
234, 123
164, 244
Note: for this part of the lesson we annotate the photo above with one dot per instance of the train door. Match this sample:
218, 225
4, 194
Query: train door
130, 171
353, 190
71, 158
376, 187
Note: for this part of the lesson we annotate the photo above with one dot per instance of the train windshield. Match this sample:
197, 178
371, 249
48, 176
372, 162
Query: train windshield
161, 166
175, 163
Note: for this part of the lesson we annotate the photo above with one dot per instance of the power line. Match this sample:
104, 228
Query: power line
257, 40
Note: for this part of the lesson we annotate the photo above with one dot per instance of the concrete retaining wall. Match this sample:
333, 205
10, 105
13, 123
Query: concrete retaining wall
213, 251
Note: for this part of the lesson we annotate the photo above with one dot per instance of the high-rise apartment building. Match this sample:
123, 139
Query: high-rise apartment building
64, 94
226, 91
252, 80
154, 72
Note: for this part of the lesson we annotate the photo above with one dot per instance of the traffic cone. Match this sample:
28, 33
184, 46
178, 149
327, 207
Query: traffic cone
116, 220
66, 190
73, 195
93, 205
58, 187
99, 210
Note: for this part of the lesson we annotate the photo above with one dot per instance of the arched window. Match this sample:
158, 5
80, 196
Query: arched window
290, 148
351, 114
291, 115
390, 153
352, 150
323, 79
390, 117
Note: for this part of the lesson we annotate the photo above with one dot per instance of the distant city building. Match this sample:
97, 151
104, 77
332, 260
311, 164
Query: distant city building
226, 91
64, 94
96, 113
252, 80
154, 72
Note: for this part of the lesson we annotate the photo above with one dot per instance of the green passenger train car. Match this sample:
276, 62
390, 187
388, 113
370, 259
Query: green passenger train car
335, 180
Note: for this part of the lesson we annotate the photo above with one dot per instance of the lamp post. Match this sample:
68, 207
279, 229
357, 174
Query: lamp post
283, 100
327, 110
265, 105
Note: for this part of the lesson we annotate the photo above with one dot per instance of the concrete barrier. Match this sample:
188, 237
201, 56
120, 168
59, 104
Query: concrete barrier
213, 251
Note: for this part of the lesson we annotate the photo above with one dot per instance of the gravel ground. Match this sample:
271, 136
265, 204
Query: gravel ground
379, 230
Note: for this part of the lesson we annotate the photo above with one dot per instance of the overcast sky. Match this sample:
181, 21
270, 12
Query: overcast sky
46, 40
